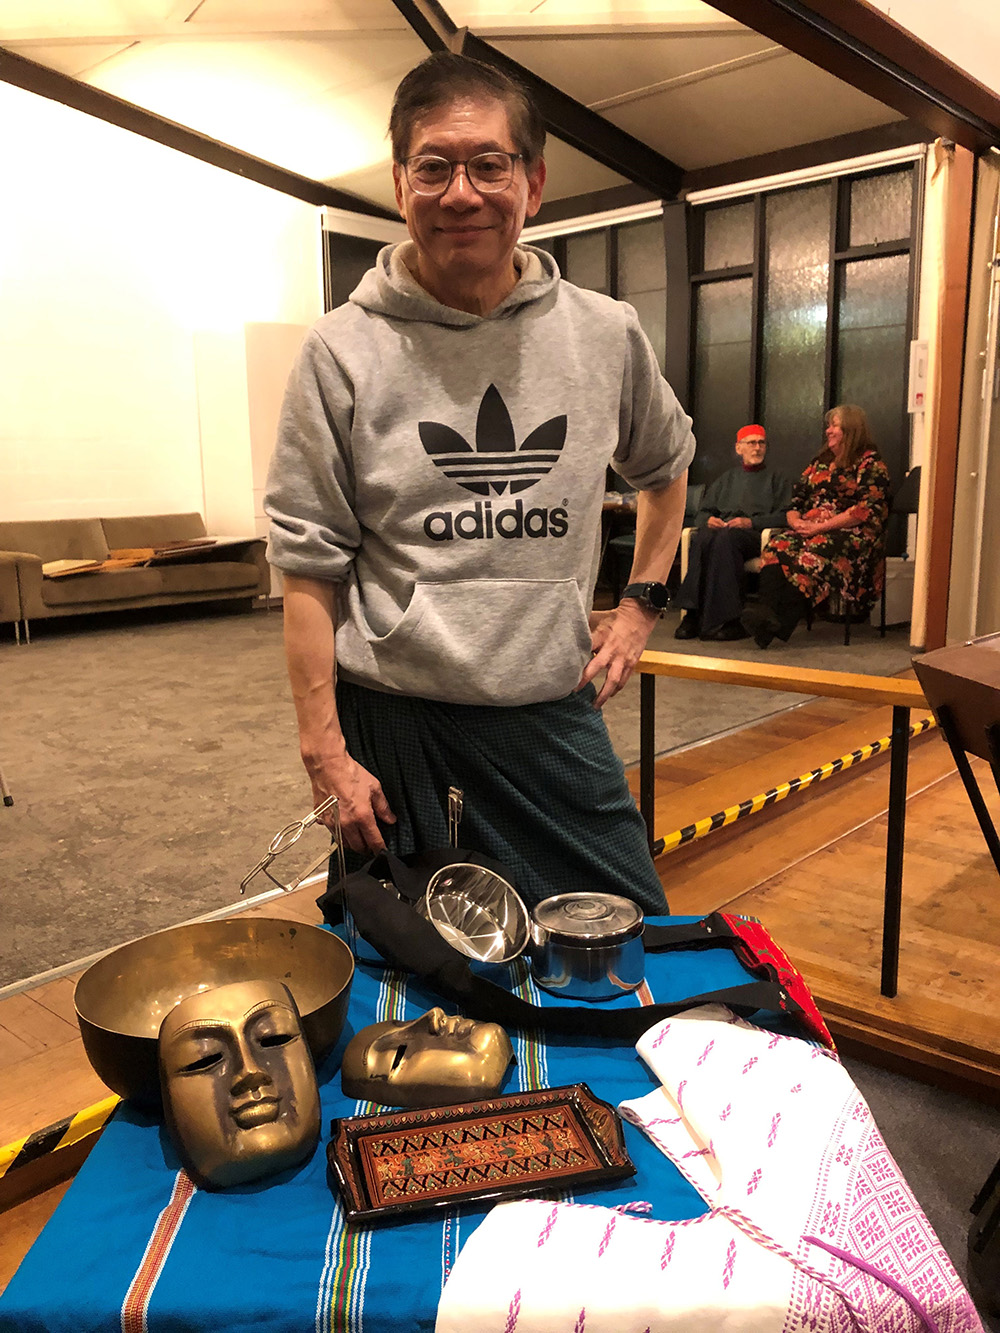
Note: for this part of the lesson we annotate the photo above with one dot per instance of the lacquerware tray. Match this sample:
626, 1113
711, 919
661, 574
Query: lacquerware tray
506, 1147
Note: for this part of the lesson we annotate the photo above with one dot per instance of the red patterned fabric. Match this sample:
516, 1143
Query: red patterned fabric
761, 956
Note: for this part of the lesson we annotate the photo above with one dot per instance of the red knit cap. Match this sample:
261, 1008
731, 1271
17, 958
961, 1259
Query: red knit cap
744, 431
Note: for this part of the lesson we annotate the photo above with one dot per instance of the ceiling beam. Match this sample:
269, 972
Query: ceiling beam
36, 78
564, 116
860, 45
585, 130
430, 22
800, 157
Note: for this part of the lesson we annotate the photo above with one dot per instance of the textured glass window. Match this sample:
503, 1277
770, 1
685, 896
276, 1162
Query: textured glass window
587, 260
651, 307
872, 349
642, 265
881, 208
728, 236
723, 327
793, 360
642, 278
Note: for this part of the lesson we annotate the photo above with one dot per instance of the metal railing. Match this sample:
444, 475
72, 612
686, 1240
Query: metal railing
901, 695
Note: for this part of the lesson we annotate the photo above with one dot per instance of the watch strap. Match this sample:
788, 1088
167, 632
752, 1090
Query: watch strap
651, 594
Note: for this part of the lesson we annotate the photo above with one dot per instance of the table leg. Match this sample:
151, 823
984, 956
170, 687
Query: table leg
972, 790
892, 912
647, 753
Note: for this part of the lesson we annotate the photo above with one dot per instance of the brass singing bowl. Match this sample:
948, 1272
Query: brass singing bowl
121, 999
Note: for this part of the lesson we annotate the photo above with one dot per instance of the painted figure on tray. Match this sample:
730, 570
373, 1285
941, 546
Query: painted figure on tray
435, 501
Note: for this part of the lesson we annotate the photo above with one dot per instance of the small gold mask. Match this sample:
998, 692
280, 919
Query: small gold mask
434, 1060
239, 1086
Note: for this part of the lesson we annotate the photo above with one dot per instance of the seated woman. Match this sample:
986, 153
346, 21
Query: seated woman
835, 535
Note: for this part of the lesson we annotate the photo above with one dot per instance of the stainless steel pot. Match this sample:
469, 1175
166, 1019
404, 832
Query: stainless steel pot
477, 912
587, 946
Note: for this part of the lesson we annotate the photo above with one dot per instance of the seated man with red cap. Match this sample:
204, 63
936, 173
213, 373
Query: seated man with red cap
736, 509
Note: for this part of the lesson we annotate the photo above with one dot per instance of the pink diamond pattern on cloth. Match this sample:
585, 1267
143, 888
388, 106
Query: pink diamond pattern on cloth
727, 1272
773, 1134
754, 1181
546, 1230
606, 1238
884, 1228
726, 1111
706, 1053
668, 1249
581, 1321
749, 1064
512, 1313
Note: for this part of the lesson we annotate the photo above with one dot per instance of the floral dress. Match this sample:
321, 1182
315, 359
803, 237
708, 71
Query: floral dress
848, 561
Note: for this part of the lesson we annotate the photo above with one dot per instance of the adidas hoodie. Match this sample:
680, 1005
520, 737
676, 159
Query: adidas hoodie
447, 471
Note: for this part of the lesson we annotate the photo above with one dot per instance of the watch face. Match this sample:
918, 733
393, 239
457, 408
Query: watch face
657, 595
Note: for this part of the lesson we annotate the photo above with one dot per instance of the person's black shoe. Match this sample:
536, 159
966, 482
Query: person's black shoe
760, 622
726, 633
688, 628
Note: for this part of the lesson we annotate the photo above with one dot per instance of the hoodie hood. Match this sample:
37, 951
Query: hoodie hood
390, 288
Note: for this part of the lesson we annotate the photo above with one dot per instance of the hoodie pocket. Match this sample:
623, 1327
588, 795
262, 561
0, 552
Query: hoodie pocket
498, 641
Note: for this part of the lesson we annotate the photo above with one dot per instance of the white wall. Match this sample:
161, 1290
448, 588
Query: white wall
127, 275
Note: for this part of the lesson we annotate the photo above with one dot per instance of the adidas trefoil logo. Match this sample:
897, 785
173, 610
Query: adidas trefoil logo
497, 462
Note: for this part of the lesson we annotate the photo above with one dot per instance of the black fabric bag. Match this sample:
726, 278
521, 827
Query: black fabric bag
407, 941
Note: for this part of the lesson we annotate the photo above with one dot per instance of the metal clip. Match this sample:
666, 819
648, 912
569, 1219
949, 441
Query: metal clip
454, 815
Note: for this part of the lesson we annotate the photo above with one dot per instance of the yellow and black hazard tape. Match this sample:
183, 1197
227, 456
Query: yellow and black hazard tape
750, 807
63, 1134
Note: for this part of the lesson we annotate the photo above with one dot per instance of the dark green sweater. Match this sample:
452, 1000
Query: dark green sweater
763, 497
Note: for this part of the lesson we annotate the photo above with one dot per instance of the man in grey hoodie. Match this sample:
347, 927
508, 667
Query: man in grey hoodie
435, 498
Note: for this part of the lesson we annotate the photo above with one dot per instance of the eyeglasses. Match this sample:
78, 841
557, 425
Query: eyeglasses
489, 173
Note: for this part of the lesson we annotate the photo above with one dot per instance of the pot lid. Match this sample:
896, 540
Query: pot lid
589, 916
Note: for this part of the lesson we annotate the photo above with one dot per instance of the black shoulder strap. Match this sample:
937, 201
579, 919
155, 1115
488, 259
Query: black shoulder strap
407, 941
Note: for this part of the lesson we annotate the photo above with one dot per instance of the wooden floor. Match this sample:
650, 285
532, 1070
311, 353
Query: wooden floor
811, 867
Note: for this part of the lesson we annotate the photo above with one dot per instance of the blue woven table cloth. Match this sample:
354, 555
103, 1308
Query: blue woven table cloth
134, 1247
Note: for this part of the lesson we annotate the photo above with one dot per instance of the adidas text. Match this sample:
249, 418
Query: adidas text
481, 522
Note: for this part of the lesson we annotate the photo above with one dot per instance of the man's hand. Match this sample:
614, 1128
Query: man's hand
361, 799
715, 522
738, 523
619, 638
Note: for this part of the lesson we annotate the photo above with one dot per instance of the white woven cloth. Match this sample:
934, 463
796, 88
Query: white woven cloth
811, 1227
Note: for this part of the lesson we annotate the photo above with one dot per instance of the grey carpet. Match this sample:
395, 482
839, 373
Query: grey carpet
152, 757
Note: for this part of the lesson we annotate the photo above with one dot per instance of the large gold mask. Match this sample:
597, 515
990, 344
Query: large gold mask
239, 1086
433, 1060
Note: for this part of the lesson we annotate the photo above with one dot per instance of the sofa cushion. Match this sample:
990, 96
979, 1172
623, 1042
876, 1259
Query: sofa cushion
152, 529
108, 586
209, 576
56, 538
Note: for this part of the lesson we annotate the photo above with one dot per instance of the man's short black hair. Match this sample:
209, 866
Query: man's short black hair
442, 78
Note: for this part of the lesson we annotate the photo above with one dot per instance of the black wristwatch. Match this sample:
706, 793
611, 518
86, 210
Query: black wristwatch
655, 596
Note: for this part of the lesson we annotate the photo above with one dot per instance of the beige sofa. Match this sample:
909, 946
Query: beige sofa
231, 568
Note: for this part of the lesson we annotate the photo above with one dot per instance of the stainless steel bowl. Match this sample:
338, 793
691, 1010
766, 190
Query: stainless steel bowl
122, 998
588, 946
477, 912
